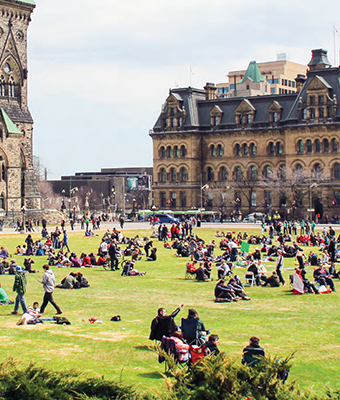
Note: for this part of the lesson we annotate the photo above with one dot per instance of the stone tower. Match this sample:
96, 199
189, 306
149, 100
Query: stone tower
18, 186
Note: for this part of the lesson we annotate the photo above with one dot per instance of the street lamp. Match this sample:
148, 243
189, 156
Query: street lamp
311, 210
63, 207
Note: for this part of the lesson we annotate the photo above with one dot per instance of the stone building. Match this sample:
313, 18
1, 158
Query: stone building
266, 153
18, 187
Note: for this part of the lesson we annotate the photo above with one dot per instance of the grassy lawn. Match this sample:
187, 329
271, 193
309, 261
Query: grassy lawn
307, 324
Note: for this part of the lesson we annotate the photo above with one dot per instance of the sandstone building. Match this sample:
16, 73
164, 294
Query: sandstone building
18, 187
244, 154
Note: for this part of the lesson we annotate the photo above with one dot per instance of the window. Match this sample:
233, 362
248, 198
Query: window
169, 152
252, 173
253, 199
267, 172
2, 202
321, 112
304, 114
2, 86
252, 149
172, 122
184, 175
11, 87
248, 87
267, 197
183, 199
312, 113
312, 100
285, 82
223, 174
290, 83
275, 117
317, 170
309, 146
210, 174
180, 121
298, 168
336, 171
283, 201
248, 118
220, 151
238, 174
237, 150
245, 149
162, 152
216, 121
163, 199
279, 148
176, 151
212, 151
281, 173
300, 147
173, 175
317, 146
173, 200
293, 84
183, 151
272, 90
3, 172
334, 145
162, 175
271, 149
325, 145
232, 86
321, 99
337, 196
241, 119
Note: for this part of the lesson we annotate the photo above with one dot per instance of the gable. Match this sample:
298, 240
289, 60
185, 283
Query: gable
318, 83
216, 110
245, 107
275, 106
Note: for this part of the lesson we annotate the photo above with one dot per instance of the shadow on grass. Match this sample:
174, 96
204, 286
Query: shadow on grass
152, 375
144, 347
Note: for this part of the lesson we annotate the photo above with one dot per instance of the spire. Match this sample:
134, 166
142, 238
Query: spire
254, 73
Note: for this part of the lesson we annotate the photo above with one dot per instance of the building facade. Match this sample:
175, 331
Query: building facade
244, 154
272, 77
18, 186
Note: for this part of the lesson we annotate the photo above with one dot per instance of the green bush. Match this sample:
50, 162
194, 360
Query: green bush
219, 377
36, 383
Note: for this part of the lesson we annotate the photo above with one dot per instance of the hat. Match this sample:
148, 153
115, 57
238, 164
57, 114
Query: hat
19, 268
256, 248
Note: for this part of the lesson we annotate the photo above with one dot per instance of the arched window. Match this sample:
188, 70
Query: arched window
169, 152
334, 145
237, 150
173, 175
238, 174
300, 147
2, 86
2, 201
271, 149
252, 149
317, 144
184, 175
183, 151
336, 171
298, 168
325, 144
162, 175
176, 151
281, 173
252, 173
11, 87
220, 151
279, 148
268, 172
245, 149
213, 150
3, 172
210, 174
309, 146
223, 174
317, 170
162, 152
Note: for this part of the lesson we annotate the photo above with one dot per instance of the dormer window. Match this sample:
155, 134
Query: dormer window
216, 116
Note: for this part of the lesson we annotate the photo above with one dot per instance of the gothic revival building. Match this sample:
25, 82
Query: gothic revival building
18, 187
261, 153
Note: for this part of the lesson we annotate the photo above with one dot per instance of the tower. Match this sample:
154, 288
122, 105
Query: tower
18, 186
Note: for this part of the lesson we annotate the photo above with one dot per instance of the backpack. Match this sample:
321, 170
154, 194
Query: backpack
61, 320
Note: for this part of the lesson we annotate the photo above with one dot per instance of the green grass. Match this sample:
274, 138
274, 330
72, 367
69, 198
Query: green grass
306, 324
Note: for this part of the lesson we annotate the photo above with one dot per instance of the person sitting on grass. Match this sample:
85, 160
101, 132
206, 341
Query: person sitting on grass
211, 345
238, 290
253, 352
224, 293
224, 269
68, 282
28, 265
82, 282
153, 255
323, 278
273, 280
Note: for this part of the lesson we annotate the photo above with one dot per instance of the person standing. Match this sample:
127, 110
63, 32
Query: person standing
48, 280
279, 267
113, 255
19, 287
65, 241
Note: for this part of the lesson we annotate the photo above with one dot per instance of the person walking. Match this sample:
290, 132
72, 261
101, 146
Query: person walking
19, 287
279, 266
48, 280
65, 241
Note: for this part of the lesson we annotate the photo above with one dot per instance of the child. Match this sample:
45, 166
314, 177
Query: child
34, 310
211, 345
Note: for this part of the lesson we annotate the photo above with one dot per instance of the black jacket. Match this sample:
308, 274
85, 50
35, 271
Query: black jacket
163, 325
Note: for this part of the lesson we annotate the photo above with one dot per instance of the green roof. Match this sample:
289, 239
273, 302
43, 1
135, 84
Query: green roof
10, 125
32, 2
253, 72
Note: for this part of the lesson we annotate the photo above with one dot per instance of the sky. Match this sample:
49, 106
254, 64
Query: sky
100, 70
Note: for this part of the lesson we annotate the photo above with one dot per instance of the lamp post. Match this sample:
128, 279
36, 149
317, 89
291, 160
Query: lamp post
311, 210
63, 207
153, 209
12, 208
23, 210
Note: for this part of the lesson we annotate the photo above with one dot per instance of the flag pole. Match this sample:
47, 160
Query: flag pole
334, 45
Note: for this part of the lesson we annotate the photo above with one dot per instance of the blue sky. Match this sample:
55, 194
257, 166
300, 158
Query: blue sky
100, 70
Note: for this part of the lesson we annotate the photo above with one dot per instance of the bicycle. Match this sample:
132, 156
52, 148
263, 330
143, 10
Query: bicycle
121, 263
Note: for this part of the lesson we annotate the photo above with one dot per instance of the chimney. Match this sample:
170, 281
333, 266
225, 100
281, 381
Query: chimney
319, 60
300, 80
210, 91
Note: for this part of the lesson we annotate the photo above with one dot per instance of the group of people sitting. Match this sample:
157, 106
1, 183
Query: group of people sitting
75, 280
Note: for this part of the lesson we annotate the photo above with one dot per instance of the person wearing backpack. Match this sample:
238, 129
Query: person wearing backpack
20, 288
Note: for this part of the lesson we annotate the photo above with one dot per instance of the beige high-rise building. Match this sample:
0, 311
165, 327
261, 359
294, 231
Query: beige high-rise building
272, 77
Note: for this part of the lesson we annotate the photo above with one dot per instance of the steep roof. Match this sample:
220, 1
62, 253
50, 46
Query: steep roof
253, 72
30, 2
10, 125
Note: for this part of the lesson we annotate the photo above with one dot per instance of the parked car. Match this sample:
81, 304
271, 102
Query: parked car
254, 217
166, 219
